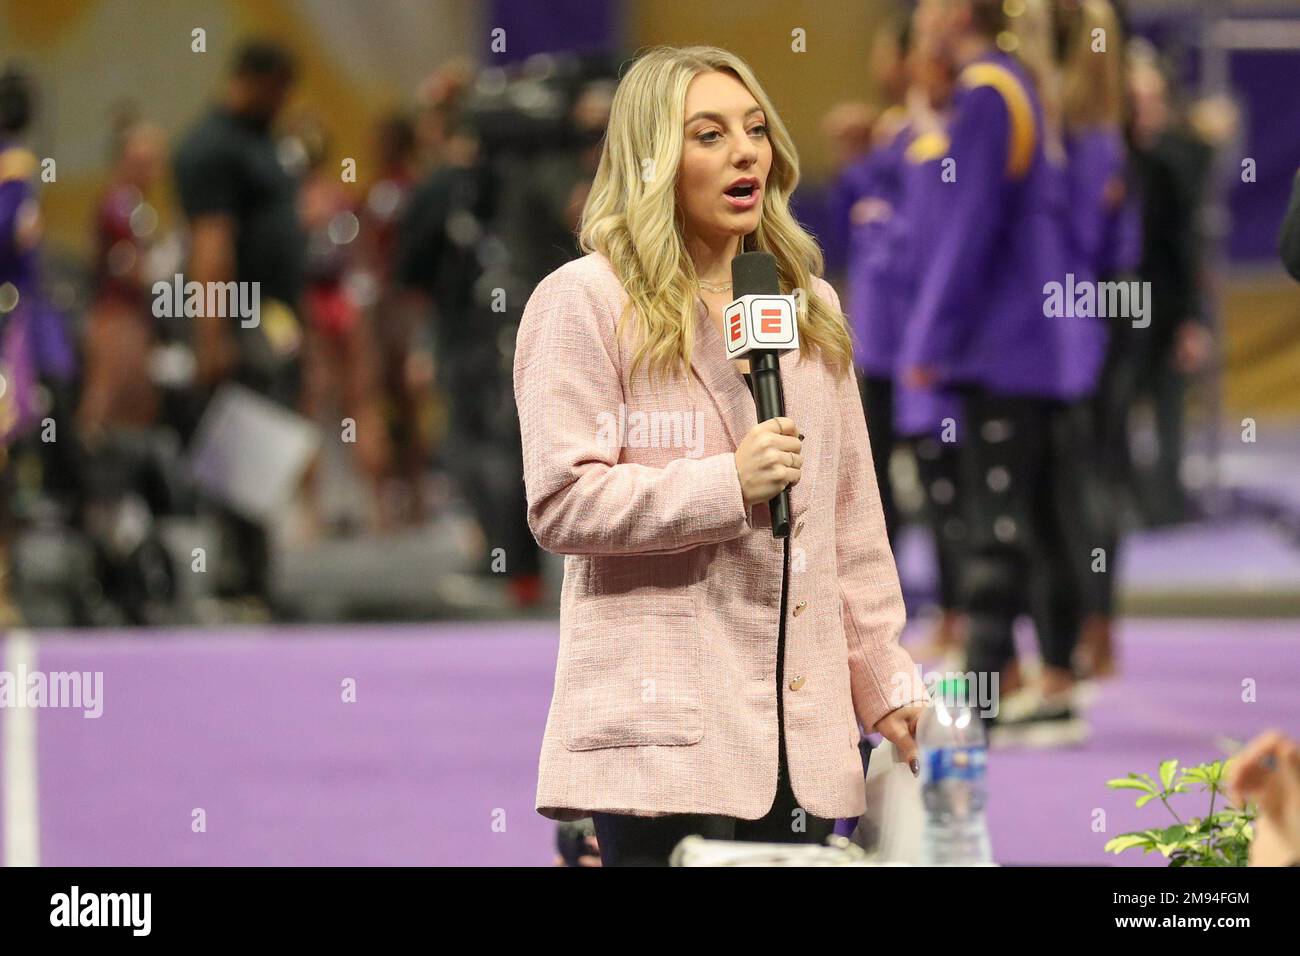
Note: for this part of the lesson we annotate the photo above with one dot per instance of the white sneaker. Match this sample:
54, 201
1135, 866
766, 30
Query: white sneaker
1085, 693
1018, 703
1039, 722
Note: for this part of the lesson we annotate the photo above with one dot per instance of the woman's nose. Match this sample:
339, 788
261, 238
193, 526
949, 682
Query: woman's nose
746, 157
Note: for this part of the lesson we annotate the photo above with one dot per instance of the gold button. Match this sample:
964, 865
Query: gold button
798, 608
796, 683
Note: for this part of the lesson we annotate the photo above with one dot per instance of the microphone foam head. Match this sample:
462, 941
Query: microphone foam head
754, 273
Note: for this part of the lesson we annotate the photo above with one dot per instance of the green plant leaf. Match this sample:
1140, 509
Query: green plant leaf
1173, 834
1126, 841
1220, 838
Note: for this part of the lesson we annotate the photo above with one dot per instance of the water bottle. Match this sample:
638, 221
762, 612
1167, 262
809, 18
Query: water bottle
953, 756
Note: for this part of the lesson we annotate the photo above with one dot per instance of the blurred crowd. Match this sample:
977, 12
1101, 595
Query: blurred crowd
375, 298
1010, 142
134, 442
1017, 147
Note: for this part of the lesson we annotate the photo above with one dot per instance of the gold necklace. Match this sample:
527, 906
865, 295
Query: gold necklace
714, 286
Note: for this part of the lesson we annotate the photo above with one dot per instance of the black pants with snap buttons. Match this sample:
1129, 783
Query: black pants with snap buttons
1023, 465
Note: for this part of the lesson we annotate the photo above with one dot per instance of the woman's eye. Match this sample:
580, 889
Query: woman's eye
761, 129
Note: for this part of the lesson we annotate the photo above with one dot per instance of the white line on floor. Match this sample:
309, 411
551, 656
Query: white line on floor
21, 832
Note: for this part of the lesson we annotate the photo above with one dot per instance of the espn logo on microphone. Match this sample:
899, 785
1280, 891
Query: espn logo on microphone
760, 322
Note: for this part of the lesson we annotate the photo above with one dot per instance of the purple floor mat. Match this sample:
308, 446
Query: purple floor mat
435, 762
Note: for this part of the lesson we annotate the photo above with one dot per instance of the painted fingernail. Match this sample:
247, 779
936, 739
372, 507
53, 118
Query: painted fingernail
916, 767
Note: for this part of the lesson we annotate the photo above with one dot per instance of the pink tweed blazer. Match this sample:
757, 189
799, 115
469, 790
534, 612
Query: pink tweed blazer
665, 698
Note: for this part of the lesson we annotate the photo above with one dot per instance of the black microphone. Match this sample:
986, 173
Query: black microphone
754, 273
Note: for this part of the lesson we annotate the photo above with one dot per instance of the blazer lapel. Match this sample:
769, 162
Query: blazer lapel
725, 385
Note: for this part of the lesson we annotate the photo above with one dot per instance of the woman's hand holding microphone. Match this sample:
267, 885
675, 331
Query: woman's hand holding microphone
769, 460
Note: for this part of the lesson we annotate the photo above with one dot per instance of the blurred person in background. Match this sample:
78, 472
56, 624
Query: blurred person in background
847, 128
1046, 713
124, 414
35, 348
1104, 234
979, 325
340, 358
867, 195
541, 206
121, 329
1289, 240
400, 323
448, 232
884, 199
20, 233
850, 127
439, 121
241, 204
928, 418
40, 347
1172, 163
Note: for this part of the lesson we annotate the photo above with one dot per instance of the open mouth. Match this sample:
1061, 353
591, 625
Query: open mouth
742, 195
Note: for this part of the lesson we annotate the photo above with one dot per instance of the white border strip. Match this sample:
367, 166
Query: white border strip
18, 792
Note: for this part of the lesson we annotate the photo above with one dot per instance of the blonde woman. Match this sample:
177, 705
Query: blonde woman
711, 679
1104, 234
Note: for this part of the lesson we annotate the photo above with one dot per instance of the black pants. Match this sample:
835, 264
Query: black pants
648, 841
878, 405
938, 470
627, 840
1028, 549
1114, 479
1161, 493
483, 453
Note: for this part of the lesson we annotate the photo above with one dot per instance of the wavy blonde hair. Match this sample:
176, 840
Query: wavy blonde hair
631, 216
1093, 93
1033, 41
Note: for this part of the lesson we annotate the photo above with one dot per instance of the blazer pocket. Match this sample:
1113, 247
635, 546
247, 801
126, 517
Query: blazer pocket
634, 673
